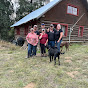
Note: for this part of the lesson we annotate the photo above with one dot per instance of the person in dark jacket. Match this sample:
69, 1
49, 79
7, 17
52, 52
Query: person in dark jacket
58, 36
51, 36
36, 30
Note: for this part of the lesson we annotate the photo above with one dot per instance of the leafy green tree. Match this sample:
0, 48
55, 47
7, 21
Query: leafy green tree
5, 21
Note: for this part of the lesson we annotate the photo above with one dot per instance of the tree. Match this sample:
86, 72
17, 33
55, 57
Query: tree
6, 9
27, 7
5, 21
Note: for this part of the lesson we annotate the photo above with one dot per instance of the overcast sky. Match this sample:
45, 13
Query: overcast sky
51, 0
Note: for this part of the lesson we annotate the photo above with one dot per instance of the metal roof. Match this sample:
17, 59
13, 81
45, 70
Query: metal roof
37, 13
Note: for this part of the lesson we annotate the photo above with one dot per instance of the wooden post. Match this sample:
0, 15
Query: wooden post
71, 28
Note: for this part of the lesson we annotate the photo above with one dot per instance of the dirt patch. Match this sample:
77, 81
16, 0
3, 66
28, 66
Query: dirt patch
31, 85
68, 61
11, 71
77, 68
72, 74
68, 57
38, 54
2, 48
85, 57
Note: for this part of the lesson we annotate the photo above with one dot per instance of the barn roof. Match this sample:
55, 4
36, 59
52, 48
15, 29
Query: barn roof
37, 13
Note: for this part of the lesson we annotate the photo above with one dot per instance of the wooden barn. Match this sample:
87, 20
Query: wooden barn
65, 12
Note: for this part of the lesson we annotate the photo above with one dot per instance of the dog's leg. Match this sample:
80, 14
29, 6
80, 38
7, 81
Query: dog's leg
61, 49
68, 48
58, 60
54, 60
50, 58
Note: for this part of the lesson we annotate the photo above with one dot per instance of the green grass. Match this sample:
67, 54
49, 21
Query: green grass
16, 71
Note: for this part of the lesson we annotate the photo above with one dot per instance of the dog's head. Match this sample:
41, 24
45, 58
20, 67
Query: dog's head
48, 47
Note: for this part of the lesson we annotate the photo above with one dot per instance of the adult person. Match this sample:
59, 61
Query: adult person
32, 40
37, 33
36, 29
43, 27
58, 36
43, 42
51, 36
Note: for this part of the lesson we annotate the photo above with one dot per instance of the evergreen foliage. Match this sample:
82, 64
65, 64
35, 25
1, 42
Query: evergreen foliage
5, 11
27, 7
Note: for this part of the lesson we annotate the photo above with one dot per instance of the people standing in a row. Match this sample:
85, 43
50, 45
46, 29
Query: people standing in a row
49, 36
32, 40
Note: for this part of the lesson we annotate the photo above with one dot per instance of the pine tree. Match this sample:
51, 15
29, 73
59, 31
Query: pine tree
5, 21
27, 7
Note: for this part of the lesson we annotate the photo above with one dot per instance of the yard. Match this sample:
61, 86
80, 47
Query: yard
18, 72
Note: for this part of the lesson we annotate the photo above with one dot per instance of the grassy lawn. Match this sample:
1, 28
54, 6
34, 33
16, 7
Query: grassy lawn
17, 72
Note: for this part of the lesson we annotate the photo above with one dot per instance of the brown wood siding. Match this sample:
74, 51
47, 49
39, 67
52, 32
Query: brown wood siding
22, 28
74, 35
59, 13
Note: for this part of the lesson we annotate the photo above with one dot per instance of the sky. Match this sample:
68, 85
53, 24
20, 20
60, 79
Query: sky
51, 0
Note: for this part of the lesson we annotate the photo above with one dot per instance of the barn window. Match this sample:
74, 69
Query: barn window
80, 31
73, 10
64, 27
18, 31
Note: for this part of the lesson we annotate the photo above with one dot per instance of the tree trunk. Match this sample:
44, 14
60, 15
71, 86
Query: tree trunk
31, 1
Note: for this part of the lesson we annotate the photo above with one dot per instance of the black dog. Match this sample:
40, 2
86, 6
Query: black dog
53, 52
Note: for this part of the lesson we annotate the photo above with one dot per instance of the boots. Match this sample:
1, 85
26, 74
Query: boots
45, 55
42, 55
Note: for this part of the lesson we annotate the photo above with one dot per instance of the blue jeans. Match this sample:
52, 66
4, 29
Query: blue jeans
58, 45
34, 50
51, 43
31, 50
